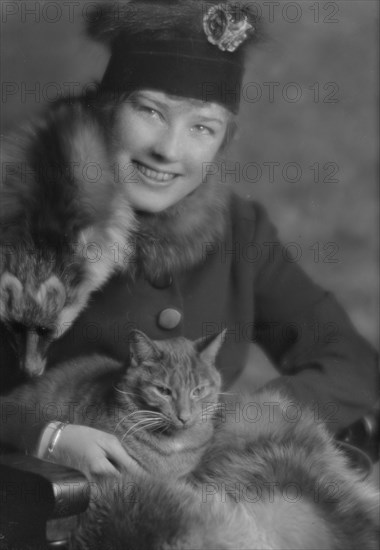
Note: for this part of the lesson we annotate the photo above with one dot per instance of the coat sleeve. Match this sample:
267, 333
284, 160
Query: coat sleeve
323, 360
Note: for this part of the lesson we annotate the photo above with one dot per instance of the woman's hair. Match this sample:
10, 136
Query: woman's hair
230, 133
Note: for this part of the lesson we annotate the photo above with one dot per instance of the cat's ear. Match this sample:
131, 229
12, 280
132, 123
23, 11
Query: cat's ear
142, 348
209, 346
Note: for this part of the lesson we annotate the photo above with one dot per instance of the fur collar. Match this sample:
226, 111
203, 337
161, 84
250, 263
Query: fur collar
177, 238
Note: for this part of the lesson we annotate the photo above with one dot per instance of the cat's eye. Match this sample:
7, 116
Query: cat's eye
163, 390
199, 391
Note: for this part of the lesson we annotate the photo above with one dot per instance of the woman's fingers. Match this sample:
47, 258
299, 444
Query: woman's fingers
94, 452
118, 455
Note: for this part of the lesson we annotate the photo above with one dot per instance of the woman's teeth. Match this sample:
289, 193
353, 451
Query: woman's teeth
154, 174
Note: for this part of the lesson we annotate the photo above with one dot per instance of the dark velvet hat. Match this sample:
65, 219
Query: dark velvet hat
187, 48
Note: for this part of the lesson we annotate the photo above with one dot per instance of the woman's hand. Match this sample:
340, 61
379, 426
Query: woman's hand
94, 452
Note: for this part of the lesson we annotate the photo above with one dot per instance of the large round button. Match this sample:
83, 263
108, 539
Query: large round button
169, 318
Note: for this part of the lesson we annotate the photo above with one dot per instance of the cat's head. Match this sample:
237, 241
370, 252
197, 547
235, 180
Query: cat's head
175, 379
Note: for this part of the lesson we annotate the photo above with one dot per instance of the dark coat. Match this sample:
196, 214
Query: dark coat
243, 281
225, 268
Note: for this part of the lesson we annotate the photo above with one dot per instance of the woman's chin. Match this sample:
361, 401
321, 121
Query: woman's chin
151, 207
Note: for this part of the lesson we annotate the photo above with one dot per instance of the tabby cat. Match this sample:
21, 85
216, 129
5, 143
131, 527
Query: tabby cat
212, 479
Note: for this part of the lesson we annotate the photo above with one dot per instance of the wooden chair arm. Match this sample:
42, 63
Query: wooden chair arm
40, 501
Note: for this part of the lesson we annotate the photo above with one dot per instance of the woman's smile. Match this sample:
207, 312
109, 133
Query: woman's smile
154, 176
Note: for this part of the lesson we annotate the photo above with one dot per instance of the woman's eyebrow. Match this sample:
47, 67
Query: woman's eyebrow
211, 119
145, 96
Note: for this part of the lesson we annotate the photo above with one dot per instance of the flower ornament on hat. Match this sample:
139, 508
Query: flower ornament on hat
187, 48
225, 28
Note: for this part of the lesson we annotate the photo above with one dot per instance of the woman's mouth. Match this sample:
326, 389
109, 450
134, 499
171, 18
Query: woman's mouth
155, 176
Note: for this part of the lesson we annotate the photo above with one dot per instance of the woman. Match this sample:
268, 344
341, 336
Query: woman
206, 259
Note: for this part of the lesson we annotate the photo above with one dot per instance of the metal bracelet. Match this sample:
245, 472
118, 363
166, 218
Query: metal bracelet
55, 437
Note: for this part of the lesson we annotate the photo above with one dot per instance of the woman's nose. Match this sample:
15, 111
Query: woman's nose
168, 145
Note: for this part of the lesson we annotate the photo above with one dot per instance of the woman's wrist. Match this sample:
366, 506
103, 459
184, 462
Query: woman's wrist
49, 439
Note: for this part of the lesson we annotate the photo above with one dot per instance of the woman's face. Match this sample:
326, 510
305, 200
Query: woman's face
163, 144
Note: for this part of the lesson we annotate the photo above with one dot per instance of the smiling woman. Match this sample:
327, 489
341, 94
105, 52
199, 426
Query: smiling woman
162, 144
204, 258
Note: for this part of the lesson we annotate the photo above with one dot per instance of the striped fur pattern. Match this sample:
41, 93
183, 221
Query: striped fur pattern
172, 387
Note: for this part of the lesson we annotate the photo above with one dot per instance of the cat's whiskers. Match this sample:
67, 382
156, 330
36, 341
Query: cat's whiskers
120, 422
148, 426
211, 406
210, 410
134, 394
124, 392
131, 428
143, 411
128, 416
136, 411
147, 423
147, 420
144, 415
141, 416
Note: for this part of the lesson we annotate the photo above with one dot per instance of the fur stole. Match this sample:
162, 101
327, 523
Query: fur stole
177, 239
61, 214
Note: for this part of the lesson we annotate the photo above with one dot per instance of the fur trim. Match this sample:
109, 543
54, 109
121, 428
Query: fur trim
61, 216
57, 177
163, 19
59, 195
178, 238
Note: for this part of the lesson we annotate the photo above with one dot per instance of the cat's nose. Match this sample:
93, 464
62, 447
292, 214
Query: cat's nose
184, 417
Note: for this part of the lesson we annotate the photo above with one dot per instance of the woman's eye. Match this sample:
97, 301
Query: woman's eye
149, 111
203, 130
